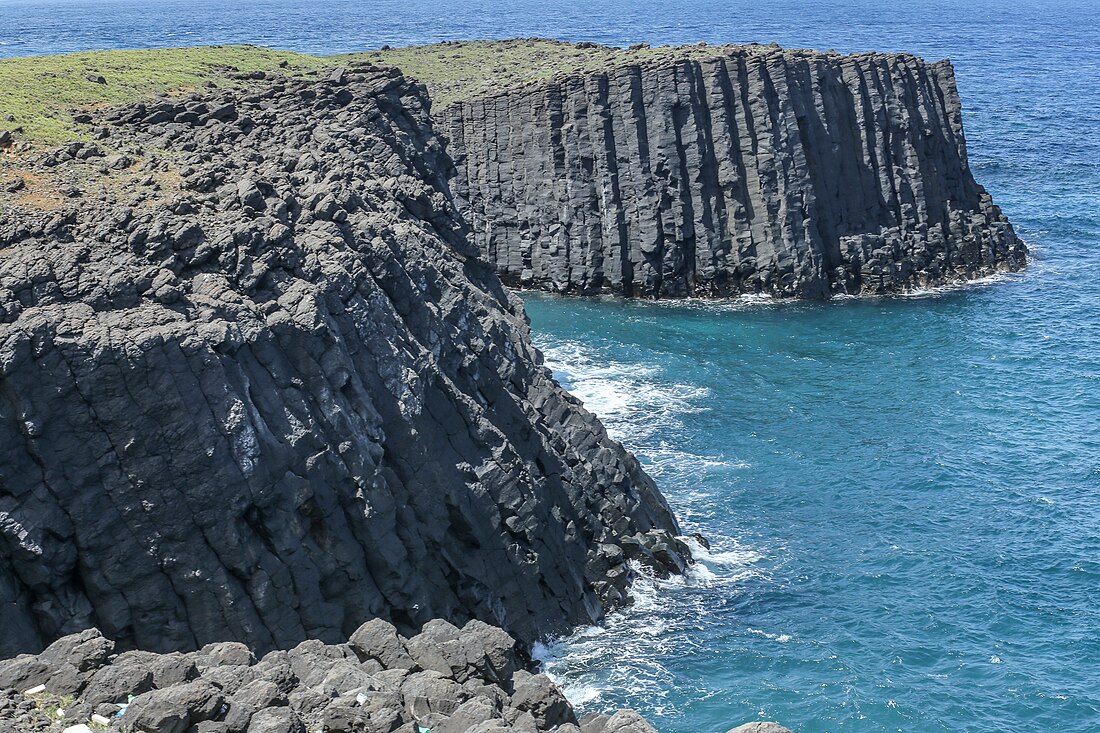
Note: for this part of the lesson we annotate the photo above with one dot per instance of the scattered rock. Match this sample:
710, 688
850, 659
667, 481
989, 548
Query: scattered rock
760, 728
86, 651
116, 683
275, 720
315, 686
378, 639
541, 697
23, 673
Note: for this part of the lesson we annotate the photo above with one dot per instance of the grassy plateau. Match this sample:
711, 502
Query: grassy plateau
39, 95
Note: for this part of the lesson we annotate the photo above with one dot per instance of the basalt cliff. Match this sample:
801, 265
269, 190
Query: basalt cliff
255, 385
719, 171
276, 450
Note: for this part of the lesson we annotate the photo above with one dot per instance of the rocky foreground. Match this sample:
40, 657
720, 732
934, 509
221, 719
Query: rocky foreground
255, 384
443, 680
714, 172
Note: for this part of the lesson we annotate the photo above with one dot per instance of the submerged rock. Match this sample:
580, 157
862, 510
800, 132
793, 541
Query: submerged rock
760, 727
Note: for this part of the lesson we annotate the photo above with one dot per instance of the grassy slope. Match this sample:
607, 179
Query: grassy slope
42, 93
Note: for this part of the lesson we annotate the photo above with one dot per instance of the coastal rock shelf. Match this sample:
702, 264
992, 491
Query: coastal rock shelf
716, 172
259, 388
443, 680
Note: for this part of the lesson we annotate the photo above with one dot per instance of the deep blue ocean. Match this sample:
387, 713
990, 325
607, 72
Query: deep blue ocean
903, 494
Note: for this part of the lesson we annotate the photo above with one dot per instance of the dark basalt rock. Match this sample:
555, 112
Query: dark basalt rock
284, 399
759, 170
333, 693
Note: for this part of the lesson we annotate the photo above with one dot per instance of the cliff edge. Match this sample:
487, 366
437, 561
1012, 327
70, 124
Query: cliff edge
255, 385
718, 171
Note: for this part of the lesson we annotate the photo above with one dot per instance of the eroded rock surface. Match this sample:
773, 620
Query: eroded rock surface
263, 390
482, 685
757, 170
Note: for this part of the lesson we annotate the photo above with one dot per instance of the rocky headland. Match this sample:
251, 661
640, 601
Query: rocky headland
256, 385
276, 451
714, 172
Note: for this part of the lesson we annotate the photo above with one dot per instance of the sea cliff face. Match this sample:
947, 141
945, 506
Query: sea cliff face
736, 170
255, 385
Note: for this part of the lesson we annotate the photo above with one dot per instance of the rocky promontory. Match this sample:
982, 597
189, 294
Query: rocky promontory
720, 171
256, 385
276, 451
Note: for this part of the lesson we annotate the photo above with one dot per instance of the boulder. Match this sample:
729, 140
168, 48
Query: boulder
152, 713
378, 639
490, 651
466, 716
115, 683
628, 721
259, 694
86, 651
343, 677
23, 673
277, 669
538, 695
65, 680
229, 677
224, 653
594, 722
429, 692
276, 720
311, 660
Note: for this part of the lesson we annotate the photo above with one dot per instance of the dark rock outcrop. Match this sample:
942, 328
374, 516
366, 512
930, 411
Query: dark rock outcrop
756, 170
485, 687
760, 727
266, 391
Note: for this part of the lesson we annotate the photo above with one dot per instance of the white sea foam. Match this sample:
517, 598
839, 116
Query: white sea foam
639, 403
931, 292
627, 651
635, 400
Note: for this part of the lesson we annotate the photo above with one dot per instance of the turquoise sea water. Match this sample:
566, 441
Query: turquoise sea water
903, 494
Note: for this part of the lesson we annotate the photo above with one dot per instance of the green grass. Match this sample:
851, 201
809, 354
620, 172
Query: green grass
42, 93
469, 69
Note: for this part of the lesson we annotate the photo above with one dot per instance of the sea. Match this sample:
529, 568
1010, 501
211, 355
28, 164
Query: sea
902, 495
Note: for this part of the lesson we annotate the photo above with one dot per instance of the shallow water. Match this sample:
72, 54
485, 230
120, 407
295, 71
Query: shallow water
903, 494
